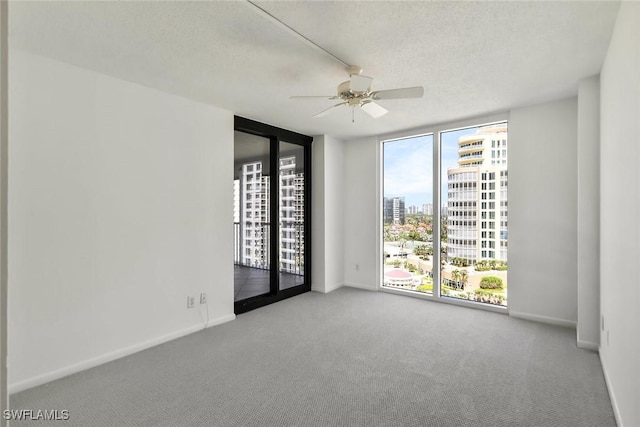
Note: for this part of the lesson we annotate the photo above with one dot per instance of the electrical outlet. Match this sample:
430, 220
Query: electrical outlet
203, 298
191, 302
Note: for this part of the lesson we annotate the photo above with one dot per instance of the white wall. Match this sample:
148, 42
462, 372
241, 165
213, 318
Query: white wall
327, 214
619, 215
120, 205
588, 226
542, 212
360, 210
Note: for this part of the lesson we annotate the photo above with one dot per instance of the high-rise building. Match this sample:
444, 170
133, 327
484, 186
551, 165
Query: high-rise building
427, 209
251, 193
477, 202
291, 215
254, 215
394, 212
236, 201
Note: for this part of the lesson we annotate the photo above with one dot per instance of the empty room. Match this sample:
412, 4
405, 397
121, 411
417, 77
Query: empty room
451, 239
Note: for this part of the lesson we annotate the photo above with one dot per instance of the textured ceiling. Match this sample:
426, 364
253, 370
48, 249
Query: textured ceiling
472, 57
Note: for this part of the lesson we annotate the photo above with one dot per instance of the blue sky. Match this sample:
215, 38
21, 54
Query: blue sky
408, 166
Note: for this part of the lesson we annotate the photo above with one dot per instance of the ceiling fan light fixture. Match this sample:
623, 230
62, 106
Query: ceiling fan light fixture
356, 92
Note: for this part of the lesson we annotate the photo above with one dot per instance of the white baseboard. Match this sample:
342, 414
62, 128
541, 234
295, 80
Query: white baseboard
332, 287
327, 288
361, 286
543, 319
108, 357
612, 396
588, 345
220, 320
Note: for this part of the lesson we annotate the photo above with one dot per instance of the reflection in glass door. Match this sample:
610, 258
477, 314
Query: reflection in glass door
251, 211
271, 214
291, 210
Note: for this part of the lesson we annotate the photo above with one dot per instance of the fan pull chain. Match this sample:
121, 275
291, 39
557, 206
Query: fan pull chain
353, 115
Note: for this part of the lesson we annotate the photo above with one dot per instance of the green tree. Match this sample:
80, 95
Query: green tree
423, 251
415, 235
464, 278
443, 229
402, 241
387, 233
455, 275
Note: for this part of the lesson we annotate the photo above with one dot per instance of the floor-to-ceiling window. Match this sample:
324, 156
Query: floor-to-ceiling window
271, 214
445, 204
408, 213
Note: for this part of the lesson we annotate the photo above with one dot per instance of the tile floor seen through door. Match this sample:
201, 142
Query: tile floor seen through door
250, 282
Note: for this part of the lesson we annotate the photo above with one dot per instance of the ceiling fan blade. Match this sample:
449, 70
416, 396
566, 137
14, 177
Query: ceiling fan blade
328, 110
405, 92
373, 109
313, 97
360, 83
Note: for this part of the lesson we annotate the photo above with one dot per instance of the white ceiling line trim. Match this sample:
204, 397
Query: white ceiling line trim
286, 27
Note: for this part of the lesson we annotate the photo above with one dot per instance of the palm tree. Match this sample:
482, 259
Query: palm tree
402, 239
455, 275
464, 277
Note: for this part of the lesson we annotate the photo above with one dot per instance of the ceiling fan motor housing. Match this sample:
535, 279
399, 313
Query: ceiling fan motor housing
345, 92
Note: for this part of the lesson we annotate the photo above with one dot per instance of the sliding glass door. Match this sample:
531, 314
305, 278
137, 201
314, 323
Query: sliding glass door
271, 214
252, 212
445, 214
291, 206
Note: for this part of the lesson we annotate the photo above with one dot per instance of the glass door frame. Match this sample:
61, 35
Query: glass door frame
275, 136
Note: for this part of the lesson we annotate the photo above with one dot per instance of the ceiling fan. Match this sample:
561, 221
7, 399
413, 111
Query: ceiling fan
356, 92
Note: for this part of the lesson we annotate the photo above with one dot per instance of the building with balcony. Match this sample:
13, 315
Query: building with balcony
477, 197
291, 216
251, 209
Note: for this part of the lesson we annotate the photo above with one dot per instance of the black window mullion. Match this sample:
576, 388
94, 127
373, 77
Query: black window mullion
307, 217
274, 214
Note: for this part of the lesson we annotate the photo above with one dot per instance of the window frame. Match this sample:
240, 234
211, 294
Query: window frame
436, 130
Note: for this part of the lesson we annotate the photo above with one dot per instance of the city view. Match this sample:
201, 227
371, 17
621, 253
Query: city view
268, 217
473, 214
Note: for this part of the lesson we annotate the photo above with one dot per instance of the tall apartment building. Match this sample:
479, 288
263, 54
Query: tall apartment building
477, 201
427, 209
254, 215
291, 206
251, 193
393, 212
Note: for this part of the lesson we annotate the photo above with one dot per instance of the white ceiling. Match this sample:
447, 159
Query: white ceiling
472, 58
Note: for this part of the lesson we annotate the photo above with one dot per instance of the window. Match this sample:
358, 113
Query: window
464, 250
